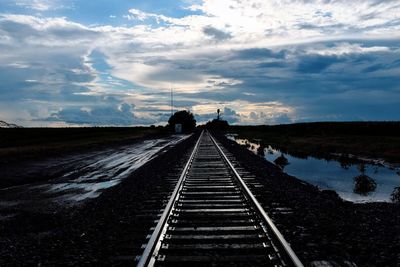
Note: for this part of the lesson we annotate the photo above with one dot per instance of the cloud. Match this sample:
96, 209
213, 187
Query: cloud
49, 32
39, 5
136, 14
258, 53
257, 118
230, 115
215, 33
316, 64
287, 19
261, 61
139, 15
112, 115
243, 112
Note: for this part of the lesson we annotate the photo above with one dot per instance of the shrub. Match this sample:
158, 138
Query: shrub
261, 151
395, 197
185, 118
363, 184
281, 161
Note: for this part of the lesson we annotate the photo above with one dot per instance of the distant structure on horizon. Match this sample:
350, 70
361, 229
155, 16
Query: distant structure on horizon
217, 123
4, 124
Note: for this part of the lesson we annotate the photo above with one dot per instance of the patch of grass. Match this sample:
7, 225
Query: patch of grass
21, 143
395, 197
369, 139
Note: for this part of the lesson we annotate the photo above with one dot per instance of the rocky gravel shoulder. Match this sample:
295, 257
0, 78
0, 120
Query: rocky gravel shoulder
320, 226
109, 230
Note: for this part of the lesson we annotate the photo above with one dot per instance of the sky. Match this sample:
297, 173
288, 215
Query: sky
82, 63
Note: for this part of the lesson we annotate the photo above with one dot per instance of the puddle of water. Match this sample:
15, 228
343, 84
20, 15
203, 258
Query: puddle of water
9, 203
81, 191
92, 175
332, 175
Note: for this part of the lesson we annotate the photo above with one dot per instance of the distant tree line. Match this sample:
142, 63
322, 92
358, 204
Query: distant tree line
389, 128
184, 118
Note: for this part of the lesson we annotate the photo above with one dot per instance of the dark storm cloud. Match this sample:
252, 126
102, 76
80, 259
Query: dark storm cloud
354, 105
257, 54
271, 65
320, 81
373, 68
117, 115
342, 86
382, 66
316, 63
216, 34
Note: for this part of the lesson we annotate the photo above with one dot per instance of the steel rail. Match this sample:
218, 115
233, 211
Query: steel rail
292, 255
152, 247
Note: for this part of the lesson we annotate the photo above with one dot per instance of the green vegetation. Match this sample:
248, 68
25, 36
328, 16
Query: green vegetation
322, 139
185, 118
21, 143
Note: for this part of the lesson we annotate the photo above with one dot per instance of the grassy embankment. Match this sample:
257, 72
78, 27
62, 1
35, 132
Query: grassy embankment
23, 143
367, 139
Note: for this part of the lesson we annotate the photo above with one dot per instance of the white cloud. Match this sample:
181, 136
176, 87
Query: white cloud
35, 4
278, 21
248, 112
194, 52
345, 48
41, 5
139, 15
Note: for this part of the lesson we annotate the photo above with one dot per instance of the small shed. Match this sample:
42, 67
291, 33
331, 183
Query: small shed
178, 128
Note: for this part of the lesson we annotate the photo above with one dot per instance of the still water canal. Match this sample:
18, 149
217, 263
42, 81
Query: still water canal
331, 174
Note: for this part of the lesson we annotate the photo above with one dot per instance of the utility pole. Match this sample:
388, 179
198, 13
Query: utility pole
172, 101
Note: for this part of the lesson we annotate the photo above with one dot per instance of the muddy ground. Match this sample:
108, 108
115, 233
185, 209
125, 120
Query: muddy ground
111, 228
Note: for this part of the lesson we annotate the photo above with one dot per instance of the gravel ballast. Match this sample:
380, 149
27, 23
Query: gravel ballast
111, 229
322, 226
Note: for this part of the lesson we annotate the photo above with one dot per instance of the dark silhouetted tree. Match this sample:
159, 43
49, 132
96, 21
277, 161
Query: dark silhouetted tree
281, 161
185, 118
395, 197
217, 125
261, 150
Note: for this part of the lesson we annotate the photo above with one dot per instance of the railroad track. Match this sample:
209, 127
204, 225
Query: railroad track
213, 219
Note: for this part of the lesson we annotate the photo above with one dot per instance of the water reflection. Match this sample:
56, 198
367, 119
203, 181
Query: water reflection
338, 173
346, 162
89, 178
281, 161
363, 184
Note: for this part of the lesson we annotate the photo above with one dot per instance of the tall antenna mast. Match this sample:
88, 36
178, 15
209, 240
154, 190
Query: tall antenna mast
172, 100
